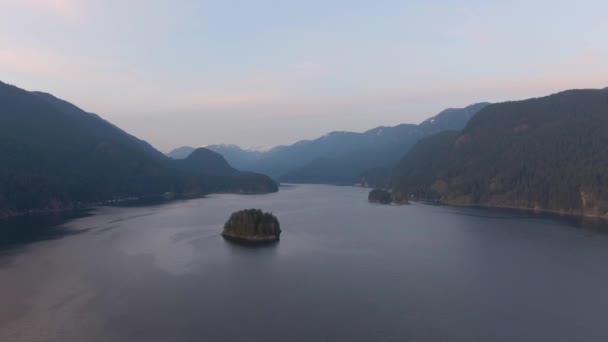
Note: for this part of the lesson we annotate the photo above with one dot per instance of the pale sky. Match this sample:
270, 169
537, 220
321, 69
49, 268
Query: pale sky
263, 73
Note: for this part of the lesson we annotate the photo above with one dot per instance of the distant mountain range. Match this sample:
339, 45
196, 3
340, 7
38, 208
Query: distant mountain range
339, 157
243, 159
57, 156
181, 152
548, 153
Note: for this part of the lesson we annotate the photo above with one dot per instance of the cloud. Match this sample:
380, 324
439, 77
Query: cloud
66, 8
230, 100
588, 59
474, 36
32, 61
469, 25
315, 90
264, 89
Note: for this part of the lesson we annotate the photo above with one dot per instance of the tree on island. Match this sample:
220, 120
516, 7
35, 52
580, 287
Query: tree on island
380, 196
252, 225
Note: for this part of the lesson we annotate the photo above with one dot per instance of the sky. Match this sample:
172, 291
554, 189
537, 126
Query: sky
263, 73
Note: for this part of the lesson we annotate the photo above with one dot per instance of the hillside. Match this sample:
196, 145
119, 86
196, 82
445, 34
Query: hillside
55, 155
548, 153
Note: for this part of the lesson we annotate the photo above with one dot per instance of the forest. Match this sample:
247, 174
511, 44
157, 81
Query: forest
548, 153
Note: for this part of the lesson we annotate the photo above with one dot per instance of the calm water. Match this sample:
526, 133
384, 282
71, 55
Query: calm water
345, 270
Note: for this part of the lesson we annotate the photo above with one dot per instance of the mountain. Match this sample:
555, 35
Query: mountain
206, 162
243, 159
340, 157
220, 176
548, 153
377, 149
55, 156
181, 152
97, 123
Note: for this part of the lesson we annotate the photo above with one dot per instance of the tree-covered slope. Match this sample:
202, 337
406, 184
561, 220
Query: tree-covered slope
54, 155
95, 123
548, 153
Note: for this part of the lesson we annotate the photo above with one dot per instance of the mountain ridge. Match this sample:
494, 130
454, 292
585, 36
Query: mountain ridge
57, 156
340, 157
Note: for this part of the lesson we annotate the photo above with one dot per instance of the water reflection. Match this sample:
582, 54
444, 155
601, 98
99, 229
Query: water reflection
19, 231
344, 270
593, 224
249, 244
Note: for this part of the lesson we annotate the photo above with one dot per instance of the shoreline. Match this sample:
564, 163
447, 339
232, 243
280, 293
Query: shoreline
251, 239
126, 202
525, 209
142, 202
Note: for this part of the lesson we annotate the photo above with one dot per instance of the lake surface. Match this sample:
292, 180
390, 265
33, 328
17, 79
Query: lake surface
344, 270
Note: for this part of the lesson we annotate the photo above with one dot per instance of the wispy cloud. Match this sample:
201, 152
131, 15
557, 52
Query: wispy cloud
33, 61
589, 58
463, 24
66, 8
230, 100
265, 88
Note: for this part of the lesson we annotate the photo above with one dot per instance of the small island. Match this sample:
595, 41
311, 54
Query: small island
385, 197
380, 196
252, 226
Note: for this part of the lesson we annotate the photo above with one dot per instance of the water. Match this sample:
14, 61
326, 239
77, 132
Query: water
344, 270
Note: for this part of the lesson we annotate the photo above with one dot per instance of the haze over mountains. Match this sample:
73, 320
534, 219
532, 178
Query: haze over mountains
243, 159
56, 156
548, 153
339, 157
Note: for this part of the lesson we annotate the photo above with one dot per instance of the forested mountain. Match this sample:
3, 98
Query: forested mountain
341, 157
96, 123
548, 153
54, 155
